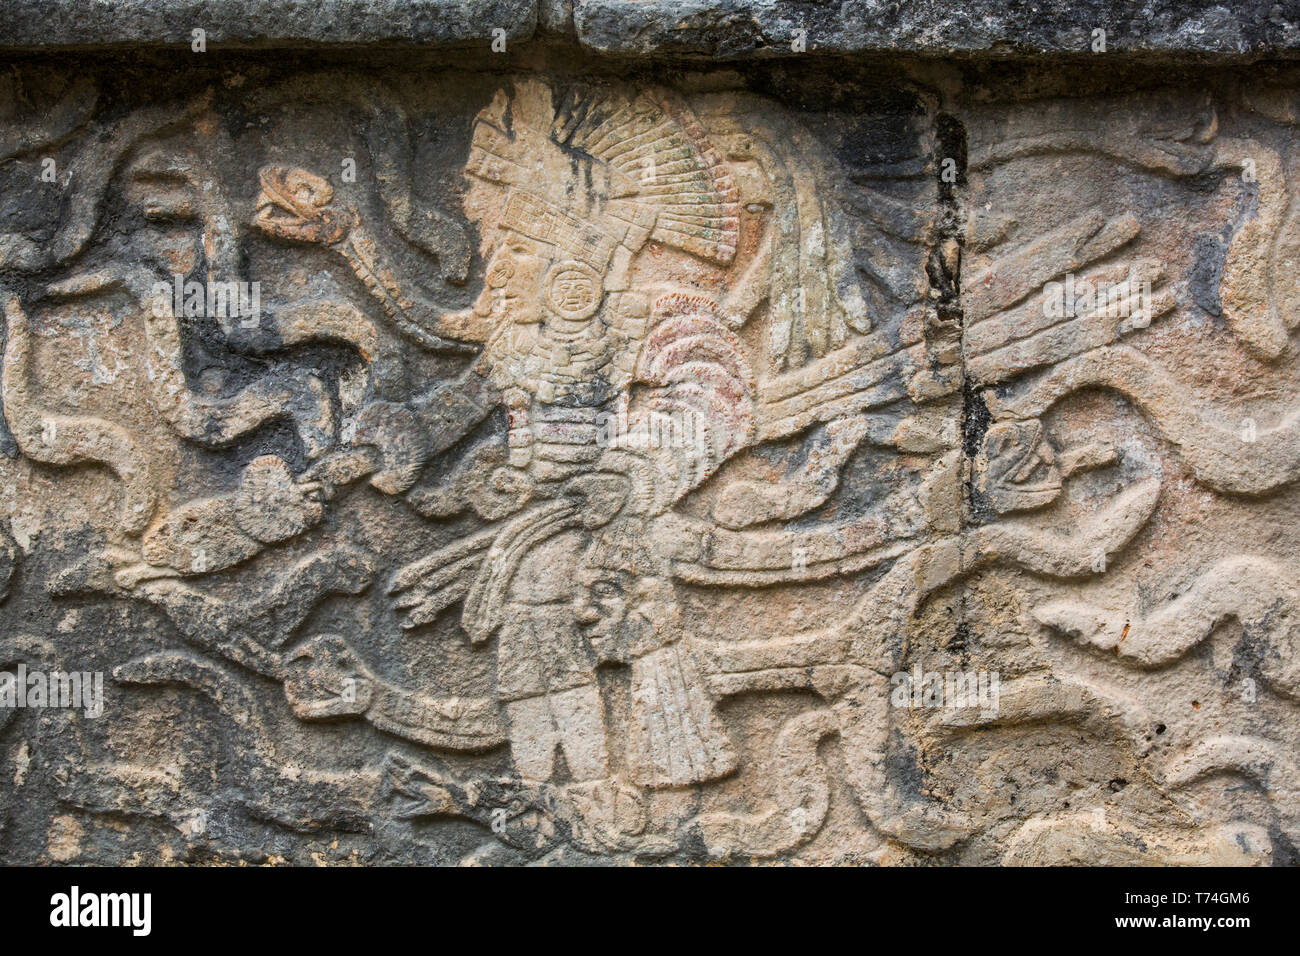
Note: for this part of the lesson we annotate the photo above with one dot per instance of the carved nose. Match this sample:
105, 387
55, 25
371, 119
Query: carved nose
483, 304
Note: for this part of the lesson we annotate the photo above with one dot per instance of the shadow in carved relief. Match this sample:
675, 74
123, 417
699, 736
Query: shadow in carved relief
549, 469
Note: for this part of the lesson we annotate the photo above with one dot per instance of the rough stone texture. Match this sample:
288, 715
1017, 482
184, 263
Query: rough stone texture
650, 464
241, 23
933, 27
733, 28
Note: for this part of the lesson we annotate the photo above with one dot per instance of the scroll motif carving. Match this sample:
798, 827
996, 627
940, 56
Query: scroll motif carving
611, 466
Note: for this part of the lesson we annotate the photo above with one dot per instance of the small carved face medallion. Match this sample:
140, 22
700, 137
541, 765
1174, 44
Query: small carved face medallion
573, 290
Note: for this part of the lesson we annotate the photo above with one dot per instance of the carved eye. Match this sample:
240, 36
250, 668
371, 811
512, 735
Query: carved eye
500, 273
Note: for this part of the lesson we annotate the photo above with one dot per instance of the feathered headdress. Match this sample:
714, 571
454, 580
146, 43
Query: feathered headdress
602, 172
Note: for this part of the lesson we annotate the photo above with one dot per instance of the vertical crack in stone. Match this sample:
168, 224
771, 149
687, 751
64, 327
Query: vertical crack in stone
945, 259
945, 276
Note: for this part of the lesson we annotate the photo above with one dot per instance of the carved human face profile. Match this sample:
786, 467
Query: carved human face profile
512, 291
164, 184
601, 601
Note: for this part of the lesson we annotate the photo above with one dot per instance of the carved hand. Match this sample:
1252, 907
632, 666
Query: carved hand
393, 429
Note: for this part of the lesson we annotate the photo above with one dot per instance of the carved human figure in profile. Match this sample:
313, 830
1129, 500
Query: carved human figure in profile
566, 197
625, 599
627, 246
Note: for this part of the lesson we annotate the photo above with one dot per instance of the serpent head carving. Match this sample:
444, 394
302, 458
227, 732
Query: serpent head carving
299, 205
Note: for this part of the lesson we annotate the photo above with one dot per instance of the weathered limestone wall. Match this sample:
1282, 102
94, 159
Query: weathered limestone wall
649, 441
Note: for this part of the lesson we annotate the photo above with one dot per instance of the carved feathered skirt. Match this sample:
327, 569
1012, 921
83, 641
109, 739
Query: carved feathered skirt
675, 736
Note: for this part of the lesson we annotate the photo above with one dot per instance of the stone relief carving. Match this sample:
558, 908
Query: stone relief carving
599, 457
1188, 579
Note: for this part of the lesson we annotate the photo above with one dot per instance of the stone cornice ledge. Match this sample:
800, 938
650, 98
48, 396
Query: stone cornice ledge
1203, 29
44, 24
